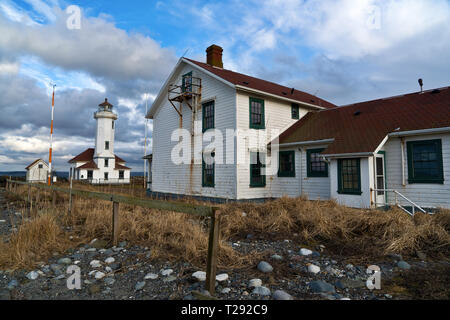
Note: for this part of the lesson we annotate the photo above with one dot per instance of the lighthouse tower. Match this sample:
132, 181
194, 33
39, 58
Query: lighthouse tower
100, 165
104, 137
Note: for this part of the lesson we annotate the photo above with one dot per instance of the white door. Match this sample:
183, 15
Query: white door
380, 180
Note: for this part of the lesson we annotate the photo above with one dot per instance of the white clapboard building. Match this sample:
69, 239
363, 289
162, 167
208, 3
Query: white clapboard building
100, 165
37, 171
387, 151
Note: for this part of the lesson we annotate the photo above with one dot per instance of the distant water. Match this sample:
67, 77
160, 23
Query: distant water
60, 174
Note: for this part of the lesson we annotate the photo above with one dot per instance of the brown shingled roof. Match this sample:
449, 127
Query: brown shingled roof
90, 165
361, 127
263, 85
86, 155
120, 167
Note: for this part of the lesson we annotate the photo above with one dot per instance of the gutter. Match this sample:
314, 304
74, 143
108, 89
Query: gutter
242, 88
419, 132
350, 155
304, 143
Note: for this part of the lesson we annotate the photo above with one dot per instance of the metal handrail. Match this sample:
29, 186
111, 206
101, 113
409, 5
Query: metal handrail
414, 205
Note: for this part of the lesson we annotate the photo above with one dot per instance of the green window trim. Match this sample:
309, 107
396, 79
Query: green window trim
287, 173
183, 84
208, 122
350, 191
262, 125
311, 173
417, 178
206, 184
260, 165
295, 111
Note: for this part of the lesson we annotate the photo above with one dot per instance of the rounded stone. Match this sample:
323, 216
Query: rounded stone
222, 277
255, 283
151, 276
65, 261
261, 291
313, 269
305, 252
110, 260
140, 285
265, 267
281, 295
200, 275
167, 272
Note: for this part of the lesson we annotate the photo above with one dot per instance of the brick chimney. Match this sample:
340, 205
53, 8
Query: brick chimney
214, 56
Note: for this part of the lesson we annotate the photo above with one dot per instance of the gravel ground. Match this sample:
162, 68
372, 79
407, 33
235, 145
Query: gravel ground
129, 272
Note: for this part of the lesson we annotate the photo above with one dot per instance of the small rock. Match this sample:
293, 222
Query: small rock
60, 277
95, 264
315, 254
108, 269
2, 221
388, 296
265, 267
200, 275
255, 283
99, 275
110, 260
12, 284
169, 278
305, 252
281, 295
33, 275
245, 293
139, 285
109, 281
225, 291
349, 283
320, 286
167, 272
404, 265
65, 261
277, 257
313, 269
222, 277
261, 291
151, 276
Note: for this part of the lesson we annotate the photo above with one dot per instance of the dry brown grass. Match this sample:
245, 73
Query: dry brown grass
175, 236
342, 229
170, 235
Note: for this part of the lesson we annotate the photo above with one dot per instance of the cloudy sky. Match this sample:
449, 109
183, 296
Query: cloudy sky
344, 51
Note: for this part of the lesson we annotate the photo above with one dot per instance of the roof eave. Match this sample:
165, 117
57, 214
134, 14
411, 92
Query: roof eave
307, 105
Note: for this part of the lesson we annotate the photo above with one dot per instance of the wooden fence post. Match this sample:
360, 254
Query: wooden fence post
213, 244
115, 223
53, 198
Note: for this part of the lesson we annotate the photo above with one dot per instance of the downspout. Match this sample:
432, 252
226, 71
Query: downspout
402, 144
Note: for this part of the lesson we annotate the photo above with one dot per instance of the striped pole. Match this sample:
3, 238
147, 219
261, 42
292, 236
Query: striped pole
51, 141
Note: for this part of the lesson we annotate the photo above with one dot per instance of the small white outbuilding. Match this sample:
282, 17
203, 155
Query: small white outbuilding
37, 171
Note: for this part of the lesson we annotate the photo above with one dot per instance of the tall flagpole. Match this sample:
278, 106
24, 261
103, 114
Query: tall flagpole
145, 143
51, 140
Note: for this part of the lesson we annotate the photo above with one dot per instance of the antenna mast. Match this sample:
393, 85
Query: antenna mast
51, 140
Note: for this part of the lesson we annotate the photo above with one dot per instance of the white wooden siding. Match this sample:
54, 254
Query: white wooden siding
182, 179
277, 115
427, 195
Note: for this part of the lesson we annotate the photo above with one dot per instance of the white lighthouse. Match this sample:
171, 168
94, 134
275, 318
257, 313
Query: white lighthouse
104, 136
101, 165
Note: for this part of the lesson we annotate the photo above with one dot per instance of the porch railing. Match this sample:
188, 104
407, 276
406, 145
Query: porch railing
397, 203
